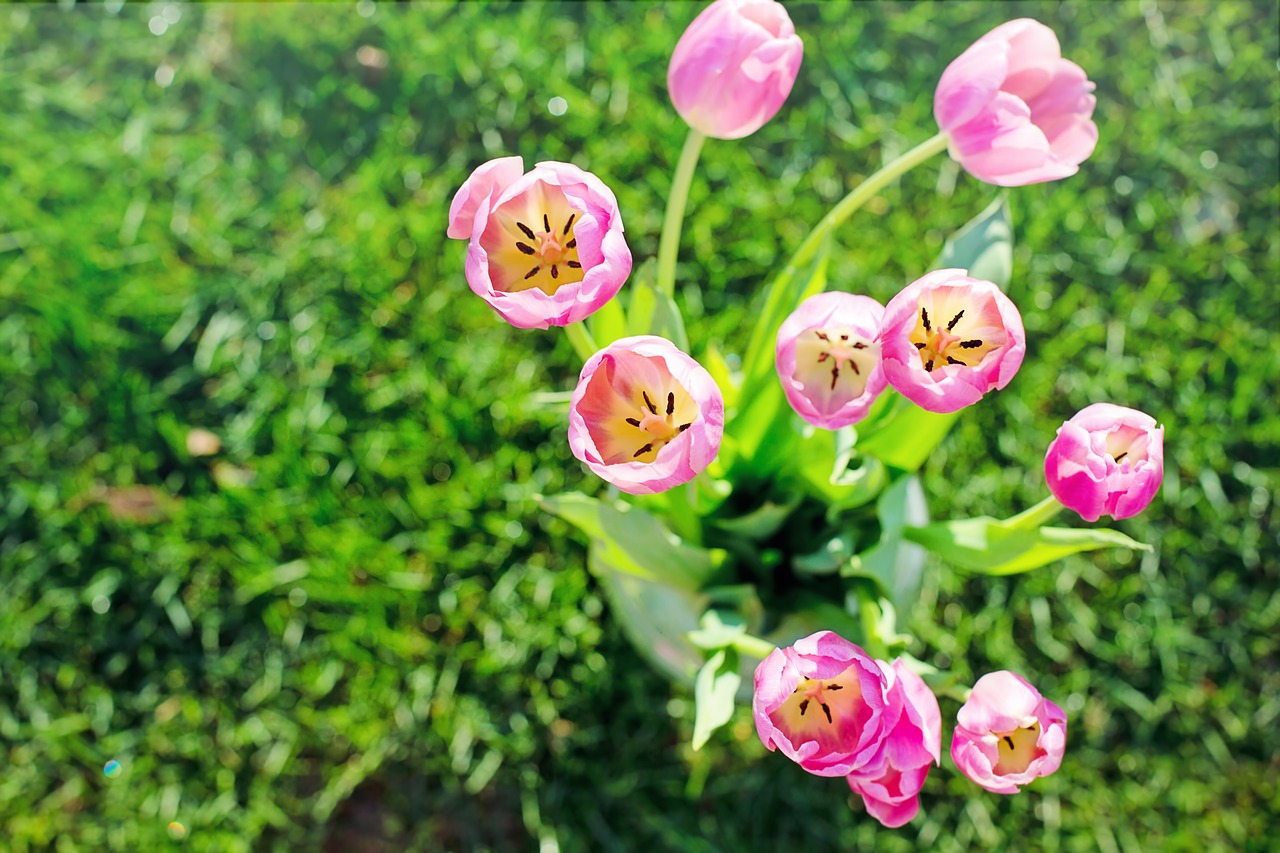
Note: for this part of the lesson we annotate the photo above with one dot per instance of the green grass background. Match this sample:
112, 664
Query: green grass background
379, 643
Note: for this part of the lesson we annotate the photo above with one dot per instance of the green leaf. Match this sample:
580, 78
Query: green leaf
984, 246
897, 566
718, 629
762, 522
784, 294
713, 693
631, 540
652, 312
713, 360
990, 546
906, 434
608, 323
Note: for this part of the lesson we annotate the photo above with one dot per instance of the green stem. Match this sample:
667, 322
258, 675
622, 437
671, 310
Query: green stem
753, 646
1037, 515
669, 241
583, 343
861, 194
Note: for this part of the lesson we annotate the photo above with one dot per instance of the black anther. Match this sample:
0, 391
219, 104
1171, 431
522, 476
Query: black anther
648, 402
531, 273
555, 273
569, 225
954, 320
970, 344
633, 422
671, 402
924, 318
642, 451
574, 265
528, 232
528, 250
546, 224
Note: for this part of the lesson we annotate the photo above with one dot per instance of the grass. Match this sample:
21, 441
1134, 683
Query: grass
351, 628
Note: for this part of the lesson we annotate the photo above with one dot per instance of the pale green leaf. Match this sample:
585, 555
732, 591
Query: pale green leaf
990, 546
713, 694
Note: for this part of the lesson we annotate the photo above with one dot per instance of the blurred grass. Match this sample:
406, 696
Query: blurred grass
351, 628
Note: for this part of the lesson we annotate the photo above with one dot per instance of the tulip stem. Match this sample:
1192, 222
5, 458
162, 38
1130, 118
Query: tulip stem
669, 241
860, 195
1037, 515
753, 646
583, 343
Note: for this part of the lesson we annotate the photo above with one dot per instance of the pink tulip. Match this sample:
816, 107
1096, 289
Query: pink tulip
645, 416
828, 358
734, 66
546, 246
947, 339
822, 703
1107, 460
890, 788
1016, 112
1007, 734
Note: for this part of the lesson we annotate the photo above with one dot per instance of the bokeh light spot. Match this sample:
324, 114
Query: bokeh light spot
558, 106
112, 769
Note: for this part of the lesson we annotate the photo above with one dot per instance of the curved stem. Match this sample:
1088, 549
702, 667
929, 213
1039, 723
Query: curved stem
863, 193
669, 242
583, 343
1037, 515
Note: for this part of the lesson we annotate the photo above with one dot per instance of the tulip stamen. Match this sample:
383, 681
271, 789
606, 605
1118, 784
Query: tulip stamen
1122, 455
642, 450
671, 402
572, 244
924, 318
826, 709
835, 374
531, 273
525, 247
633, 422
574, 265
970, 344
555, 273
954, 320
567, 226
546, 224
648, 402
804, 706
528, 232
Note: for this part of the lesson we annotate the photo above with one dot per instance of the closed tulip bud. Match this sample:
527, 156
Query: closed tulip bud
1014, 110
734, 66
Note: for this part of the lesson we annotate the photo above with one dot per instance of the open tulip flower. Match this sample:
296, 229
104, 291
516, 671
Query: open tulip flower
545, 247
822, 703
828, 358
645, 416
947, 339
734, 66
1107, 460
890, 788
1007, 734
1014, 110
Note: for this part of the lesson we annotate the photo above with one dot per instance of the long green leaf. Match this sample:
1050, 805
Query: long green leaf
631, 540
990, 546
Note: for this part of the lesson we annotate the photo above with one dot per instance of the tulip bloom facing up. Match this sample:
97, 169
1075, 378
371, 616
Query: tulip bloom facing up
1107, 460
947, 339
890, 788
645, 416
822, 703
1015, 111
828, 358
1007, 734
545, 246
734, 66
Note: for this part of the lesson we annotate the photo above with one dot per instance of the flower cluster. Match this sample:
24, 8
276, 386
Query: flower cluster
829, 707
943, 342
546, 248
